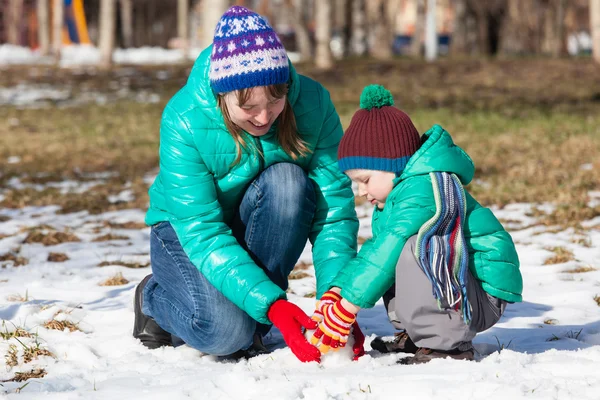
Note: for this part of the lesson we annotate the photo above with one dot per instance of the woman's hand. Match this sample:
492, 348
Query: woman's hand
290, 320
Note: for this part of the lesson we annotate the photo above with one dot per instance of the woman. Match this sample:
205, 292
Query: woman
248, 173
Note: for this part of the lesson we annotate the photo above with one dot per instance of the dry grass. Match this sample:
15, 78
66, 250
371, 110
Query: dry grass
116, 280
24, 376
32, 352
561, 255
18, 332
61, 325
551, 321
294, 275
18, 298
583, 242
597, 300
133, 265
110, 236
57, 257
14, 259
127, 225
311, 295
581, 269
502, 112
11, 357
4, 218
50, 238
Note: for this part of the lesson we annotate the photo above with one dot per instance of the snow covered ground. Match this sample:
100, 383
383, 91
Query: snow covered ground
547, 347
76, 55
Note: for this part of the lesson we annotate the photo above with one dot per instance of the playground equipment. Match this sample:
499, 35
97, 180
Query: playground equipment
26, 22
75, 26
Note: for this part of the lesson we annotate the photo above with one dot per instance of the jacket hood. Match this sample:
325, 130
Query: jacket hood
438, 153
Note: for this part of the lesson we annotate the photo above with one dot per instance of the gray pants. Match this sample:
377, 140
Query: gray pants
411, 306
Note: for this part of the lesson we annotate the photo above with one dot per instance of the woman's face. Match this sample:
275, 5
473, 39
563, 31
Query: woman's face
257, 114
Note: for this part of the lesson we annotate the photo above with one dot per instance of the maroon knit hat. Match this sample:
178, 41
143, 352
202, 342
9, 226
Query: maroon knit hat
380, 136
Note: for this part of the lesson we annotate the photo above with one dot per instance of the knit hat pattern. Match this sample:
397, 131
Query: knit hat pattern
380, 137
246, 53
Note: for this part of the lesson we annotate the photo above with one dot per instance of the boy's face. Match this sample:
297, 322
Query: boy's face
375, 185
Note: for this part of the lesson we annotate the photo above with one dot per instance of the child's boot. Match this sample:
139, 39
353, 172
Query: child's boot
401, 343
424, 355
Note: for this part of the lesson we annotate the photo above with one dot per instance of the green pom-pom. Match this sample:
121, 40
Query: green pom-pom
375, 96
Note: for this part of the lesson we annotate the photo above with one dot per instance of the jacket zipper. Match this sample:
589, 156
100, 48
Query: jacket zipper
261, 158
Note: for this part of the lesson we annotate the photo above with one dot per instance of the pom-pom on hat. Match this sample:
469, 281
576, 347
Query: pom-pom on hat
246, 53
380, 136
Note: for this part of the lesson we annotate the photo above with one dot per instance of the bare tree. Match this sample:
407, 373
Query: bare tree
296, 10
323, 56
43, 26
431, 39
419, 29
212, 10
359, 28
560, 44
58, 11
127, 22
182, 26
14, 21
107, 32
458, 44
595, 28
381, 18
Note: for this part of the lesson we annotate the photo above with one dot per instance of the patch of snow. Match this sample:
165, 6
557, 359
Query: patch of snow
545, 347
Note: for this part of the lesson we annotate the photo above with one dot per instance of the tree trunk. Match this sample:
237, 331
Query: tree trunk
43, 17
58, 11
458, 45
14, 22
182, 26
417, 39
379, 30
127, 22
296, 11
323, 56
212, 10
359, 31
431, 39
595, 28
560, 47
107, 32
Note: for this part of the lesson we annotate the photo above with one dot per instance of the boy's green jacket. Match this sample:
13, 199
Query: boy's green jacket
493, 259
198, 190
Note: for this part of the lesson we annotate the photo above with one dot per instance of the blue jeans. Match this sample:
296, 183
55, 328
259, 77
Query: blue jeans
272, 224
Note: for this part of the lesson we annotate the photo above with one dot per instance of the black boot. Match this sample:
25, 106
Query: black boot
144, 328
257, 348
402, 343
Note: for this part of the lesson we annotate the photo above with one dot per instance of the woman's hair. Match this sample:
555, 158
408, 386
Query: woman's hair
287, 131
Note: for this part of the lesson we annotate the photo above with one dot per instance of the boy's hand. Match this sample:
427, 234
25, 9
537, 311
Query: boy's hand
329, 297
334, 329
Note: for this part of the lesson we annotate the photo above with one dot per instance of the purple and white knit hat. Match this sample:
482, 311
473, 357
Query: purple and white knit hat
246, 53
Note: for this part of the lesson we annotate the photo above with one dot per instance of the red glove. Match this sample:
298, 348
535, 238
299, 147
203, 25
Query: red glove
290, 319
329, 297
334, 329
358, 348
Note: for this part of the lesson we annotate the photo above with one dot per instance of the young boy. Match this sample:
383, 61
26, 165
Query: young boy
444, 265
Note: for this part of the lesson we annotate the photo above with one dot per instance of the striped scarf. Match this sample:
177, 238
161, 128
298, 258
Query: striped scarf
441, 249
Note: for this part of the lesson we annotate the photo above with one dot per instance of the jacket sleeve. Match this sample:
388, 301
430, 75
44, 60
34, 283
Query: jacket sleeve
191, 198
335, 226
367, 277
